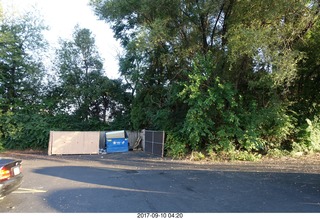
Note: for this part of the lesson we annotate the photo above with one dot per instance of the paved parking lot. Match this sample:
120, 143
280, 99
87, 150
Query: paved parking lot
136, 182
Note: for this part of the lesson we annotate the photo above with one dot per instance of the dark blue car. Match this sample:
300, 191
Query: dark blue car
10, 176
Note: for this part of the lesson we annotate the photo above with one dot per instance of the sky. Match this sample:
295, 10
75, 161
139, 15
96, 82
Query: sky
62, 16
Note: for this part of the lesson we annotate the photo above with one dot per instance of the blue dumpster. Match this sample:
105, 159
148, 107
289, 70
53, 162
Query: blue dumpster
117, 145
116, 141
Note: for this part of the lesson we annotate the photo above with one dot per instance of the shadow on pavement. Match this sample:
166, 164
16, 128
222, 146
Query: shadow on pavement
191, 191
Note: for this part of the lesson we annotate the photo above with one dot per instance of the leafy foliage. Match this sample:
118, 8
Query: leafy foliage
222, 75
84, 92
79, 97
24, 131
234, 79
21, 77
309, 138
175, 147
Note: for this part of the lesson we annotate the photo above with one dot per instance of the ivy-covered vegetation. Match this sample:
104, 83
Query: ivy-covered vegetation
224, 78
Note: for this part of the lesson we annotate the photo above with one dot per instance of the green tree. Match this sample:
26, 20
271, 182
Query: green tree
79, 68
21, 68
21, 74
214, 74
160, 42
267, 32
82, 90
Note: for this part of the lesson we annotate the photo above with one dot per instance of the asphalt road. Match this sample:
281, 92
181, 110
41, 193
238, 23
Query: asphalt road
136, 182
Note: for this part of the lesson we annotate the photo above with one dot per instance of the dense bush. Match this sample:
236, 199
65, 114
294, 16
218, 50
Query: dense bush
308, 140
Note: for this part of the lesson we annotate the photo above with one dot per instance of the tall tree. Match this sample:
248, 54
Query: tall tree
84, 89
160, 41
21, 74
79, 67
21, 66
216, 73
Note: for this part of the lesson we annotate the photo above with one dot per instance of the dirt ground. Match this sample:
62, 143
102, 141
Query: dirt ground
298, 164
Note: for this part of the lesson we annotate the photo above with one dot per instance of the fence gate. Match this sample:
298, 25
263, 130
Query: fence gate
154, 142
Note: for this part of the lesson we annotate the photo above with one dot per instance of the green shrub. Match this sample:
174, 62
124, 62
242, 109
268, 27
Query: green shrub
314, 134
237, 155
244, 156
277, 153
24, 131
197, 156
309, 139
174, 147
